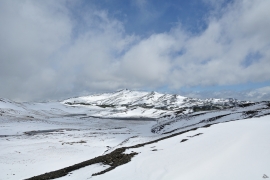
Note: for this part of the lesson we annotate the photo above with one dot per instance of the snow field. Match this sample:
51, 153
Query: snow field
234, 150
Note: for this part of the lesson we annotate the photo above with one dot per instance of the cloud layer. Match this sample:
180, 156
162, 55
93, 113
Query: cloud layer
49, 50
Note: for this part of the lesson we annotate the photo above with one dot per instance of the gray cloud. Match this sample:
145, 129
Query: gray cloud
46, 53
31, 32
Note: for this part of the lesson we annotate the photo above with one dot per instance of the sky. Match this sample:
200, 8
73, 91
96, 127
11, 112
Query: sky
58, 49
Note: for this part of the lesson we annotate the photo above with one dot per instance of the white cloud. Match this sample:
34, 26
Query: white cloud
215, 56
46, 53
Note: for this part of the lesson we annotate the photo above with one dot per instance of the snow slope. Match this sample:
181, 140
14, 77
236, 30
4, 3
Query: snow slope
37, 138
235, 150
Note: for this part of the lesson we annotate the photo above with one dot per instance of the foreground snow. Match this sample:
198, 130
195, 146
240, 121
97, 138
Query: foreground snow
234, 150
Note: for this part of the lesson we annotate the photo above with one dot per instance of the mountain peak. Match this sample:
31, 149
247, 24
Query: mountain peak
124, 89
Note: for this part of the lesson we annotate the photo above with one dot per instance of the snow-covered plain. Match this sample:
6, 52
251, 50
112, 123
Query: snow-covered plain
36, 138
72, 141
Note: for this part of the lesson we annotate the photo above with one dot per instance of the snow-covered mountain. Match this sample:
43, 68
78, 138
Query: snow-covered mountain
121, 104
129, 98
170, 111
127, 103
92, 136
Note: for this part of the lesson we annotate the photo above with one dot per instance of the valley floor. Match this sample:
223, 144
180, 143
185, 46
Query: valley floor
33, 147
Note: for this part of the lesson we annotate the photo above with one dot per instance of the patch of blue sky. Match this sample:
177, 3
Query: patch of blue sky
205, 61
251, 58
237, 87
155, 16
178, 53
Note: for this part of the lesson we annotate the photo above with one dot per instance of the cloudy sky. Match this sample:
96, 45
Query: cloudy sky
57, 49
